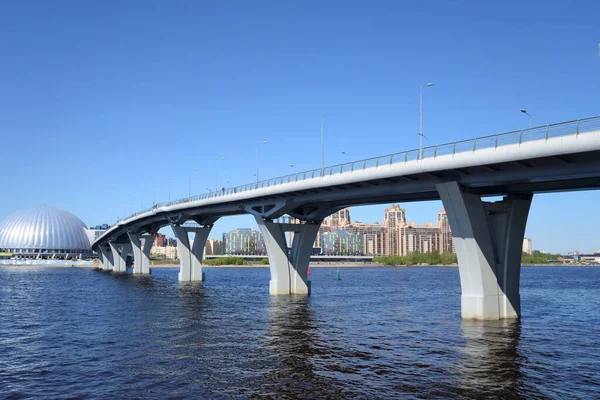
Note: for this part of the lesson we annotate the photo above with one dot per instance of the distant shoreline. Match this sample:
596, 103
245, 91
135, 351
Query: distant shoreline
315, 265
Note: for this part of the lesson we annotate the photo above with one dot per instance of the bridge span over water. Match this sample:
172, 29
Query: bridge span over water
488, 235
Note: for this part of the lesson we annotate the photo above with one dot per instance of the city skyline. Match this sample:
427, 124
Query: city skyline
87, 107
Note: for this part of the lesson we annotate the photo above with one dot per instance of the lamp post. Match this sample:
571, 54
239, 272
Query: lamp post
323, 146
170, 181
421, 119
257, 156
190, 184
217, 175
524, 111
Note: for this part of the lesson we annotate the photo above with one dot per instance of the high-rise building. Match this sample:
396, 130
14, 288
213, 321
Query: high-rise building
446, 241
527, 247
338, 220
394, 218
243, 242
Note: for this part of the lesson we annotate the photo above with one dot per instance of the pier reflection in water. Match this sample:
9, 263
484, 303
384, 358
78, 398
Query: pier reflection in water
490, 364
376, 333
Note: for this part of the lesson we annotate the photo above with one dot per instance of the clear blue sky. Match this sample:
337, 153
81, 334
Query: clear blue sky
103, 103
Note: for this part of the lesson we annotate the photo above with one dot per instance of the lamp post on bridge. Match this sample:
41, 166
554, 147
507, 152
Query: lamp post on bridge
524, 111
217, 175
190, 184
257, 156
421, 119
323, 146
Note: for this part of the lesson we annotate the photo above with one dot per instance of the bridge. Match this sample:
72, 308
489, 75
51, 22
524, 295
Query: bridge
488, 235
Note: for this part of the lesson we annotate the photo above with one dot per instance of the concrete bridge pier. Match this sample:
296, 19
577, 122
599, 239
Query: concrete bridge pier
119, 258
100, 260
106, 258
190, 257
289, 273
488, 237
141, 246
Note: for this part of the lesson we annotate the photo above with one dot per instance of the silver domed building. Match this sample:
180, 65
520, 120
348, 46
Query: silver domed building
44, 232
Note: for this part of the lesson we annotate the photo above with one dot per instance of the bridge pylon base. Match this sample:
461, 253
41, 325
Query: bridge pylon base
106, 260
141, 246
119, 258
289, 271
190, 257
488, 237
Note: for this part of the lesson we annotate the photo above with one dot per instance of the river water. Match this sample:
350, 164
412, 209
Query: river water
376, 333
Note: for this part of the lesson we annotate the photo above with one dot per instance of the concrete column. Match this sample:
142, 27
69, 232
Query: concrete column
190, 257
119, 258
488, 237
289, 273
107, 258
100, 260
141, 246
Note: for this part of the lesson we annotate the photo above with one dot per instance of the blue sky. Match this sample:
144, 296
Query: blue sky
103, 103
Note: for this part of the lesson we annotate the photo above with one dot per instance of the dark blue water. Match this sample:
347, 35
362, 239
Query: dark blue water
377, 333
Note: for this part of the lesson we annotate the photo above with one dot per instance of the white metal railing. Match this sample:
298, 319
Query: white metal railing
544, 132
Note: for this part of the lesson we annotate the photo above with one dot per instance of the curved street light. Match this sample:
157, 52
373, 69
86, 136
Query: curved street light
524, 111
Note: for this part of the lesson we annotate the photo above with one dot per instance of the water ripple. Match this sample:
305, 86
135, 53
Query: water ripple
377, 333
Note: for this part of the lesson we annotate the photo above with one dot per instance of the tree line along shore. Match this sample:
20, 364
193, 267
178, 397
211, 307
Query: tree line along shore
433, 258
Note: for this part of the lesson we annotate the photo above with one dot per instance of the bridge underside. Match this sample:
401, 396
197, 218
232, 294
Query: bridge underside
488, 235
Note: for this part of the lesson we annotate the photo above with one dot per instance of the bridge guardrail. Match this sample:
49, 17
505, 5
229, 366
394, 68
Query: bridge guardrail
544, 132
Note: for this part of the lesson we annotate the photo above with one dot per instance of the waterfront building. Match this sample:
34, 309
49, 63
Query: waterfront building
527, 247
44, 232
338, 220
319, 239
171, 252
419, 239
244, 242
446, 241
342, 243
394, 237
373, 237
394, 218
168, 252
213, 247
159, 240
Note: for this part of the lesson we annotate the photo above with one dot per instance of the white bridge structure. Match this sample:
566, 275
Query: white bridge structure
488, 235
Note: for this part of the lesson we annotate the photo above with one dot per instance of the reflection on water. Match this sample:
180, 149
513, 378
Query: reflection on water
490, 363
377, 333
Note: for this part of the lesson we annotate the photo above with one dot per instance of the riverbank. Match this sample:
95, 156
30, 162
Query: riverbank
312, 265
60, 265
366, 265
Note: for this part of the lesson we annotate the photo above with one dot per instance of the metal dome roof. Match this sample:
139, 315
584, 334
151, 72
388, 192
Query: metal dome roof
43, 227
